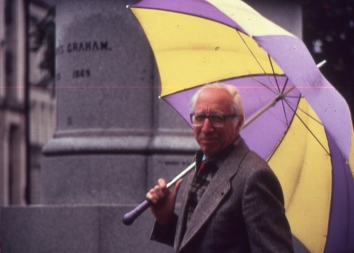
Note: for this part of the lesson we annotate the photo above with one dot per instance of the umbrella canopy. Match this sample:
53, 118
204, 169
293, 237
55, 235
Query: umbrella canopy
305, 132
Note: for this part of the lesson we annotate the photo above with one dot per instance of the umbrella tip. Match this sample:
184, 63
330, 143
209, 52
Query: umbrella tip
321, 63
127, 6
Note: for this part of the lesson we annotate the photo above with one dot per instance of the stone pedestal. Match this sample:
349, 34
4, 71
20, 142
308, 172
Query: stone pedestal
114, 137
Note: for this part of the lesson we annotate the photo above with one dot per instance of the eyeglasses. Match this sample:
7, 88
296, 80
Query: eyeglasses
216, 119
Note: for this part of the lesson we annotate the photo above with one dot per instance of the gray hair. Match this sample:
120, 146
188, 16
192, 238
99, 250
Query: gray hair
237, 104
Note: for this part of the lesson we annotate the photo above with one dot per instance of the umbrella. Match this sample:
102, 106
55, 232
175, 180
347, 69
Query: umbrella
295, 119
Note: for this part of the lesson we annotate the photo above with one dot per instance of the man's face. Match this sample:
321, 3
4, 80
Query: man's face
214, 140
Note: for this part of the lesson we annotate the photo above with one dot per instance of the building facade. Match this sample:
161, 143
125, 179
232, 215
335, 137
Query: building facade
19, 137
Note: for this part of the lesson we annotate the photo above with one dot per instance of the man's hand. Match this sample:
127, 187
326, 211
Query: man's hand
163, 201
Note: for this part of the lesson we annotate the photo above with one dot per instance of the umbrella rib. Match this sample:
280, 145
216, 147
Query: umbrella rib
304, 112
282, 102
267, 106
285, 84
275, 77
255, 58
288, 102
314, 136
292, 96
286, 118
263, 84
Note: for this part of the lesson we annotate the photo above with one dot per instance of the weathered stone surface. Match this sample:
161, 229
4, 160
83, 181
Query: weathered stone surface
76, 229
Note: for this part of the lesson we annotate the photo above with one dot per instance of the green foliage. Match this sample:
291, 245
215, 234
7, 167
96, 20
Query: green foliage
44, 36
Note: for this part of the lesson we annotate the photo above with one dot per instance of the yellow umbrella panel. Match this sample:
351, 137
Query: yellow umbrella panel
303, 165
192, 51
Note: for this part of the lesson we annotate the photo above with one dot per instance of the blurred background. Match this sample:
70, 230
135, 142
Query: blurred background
27, 81
328, 32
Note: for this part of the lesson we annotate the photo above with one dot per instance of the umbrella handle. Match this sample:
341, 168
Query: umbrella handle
130, 217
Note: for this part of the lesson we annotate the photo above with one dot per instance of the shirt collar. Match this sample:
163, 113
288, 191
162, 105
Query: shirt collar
219, 158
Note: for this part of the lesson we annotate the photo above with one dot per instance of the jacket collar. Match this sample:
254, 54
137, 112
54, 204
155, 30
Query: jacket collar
213, 195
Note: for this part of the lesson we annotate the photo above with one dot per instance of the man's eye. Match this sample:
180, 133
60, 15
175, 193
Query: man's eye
199, 117
216, 118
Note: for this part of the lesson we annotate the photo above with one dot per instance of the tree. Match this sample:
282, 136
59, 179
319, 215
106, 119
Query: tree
44, 36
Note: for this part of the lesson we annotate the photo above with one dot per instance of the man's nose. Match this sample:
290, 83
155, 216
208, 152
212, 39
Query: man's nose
207, 126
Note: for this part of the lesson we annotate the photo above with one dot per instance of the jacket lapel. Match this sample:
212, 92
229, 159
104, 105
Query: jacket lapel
183, 214
213, 195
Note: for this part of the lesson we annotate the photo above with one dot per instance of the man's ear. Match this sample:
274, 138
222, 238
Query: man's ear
239, 125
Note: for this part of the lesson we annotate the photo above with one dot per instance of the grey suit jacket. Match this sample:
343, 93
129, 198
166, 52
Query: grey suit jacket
242, 210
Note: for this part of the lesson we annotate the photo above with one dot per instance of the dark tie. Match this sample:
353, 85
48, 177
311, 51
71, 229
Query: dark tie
199, 184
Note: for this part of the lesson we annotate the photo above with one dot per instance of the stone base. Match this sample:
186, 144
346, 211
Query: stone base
76, 229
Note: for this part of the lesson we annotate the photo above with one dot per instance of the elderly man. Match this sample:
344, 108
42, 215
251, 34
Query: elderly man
233, 201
